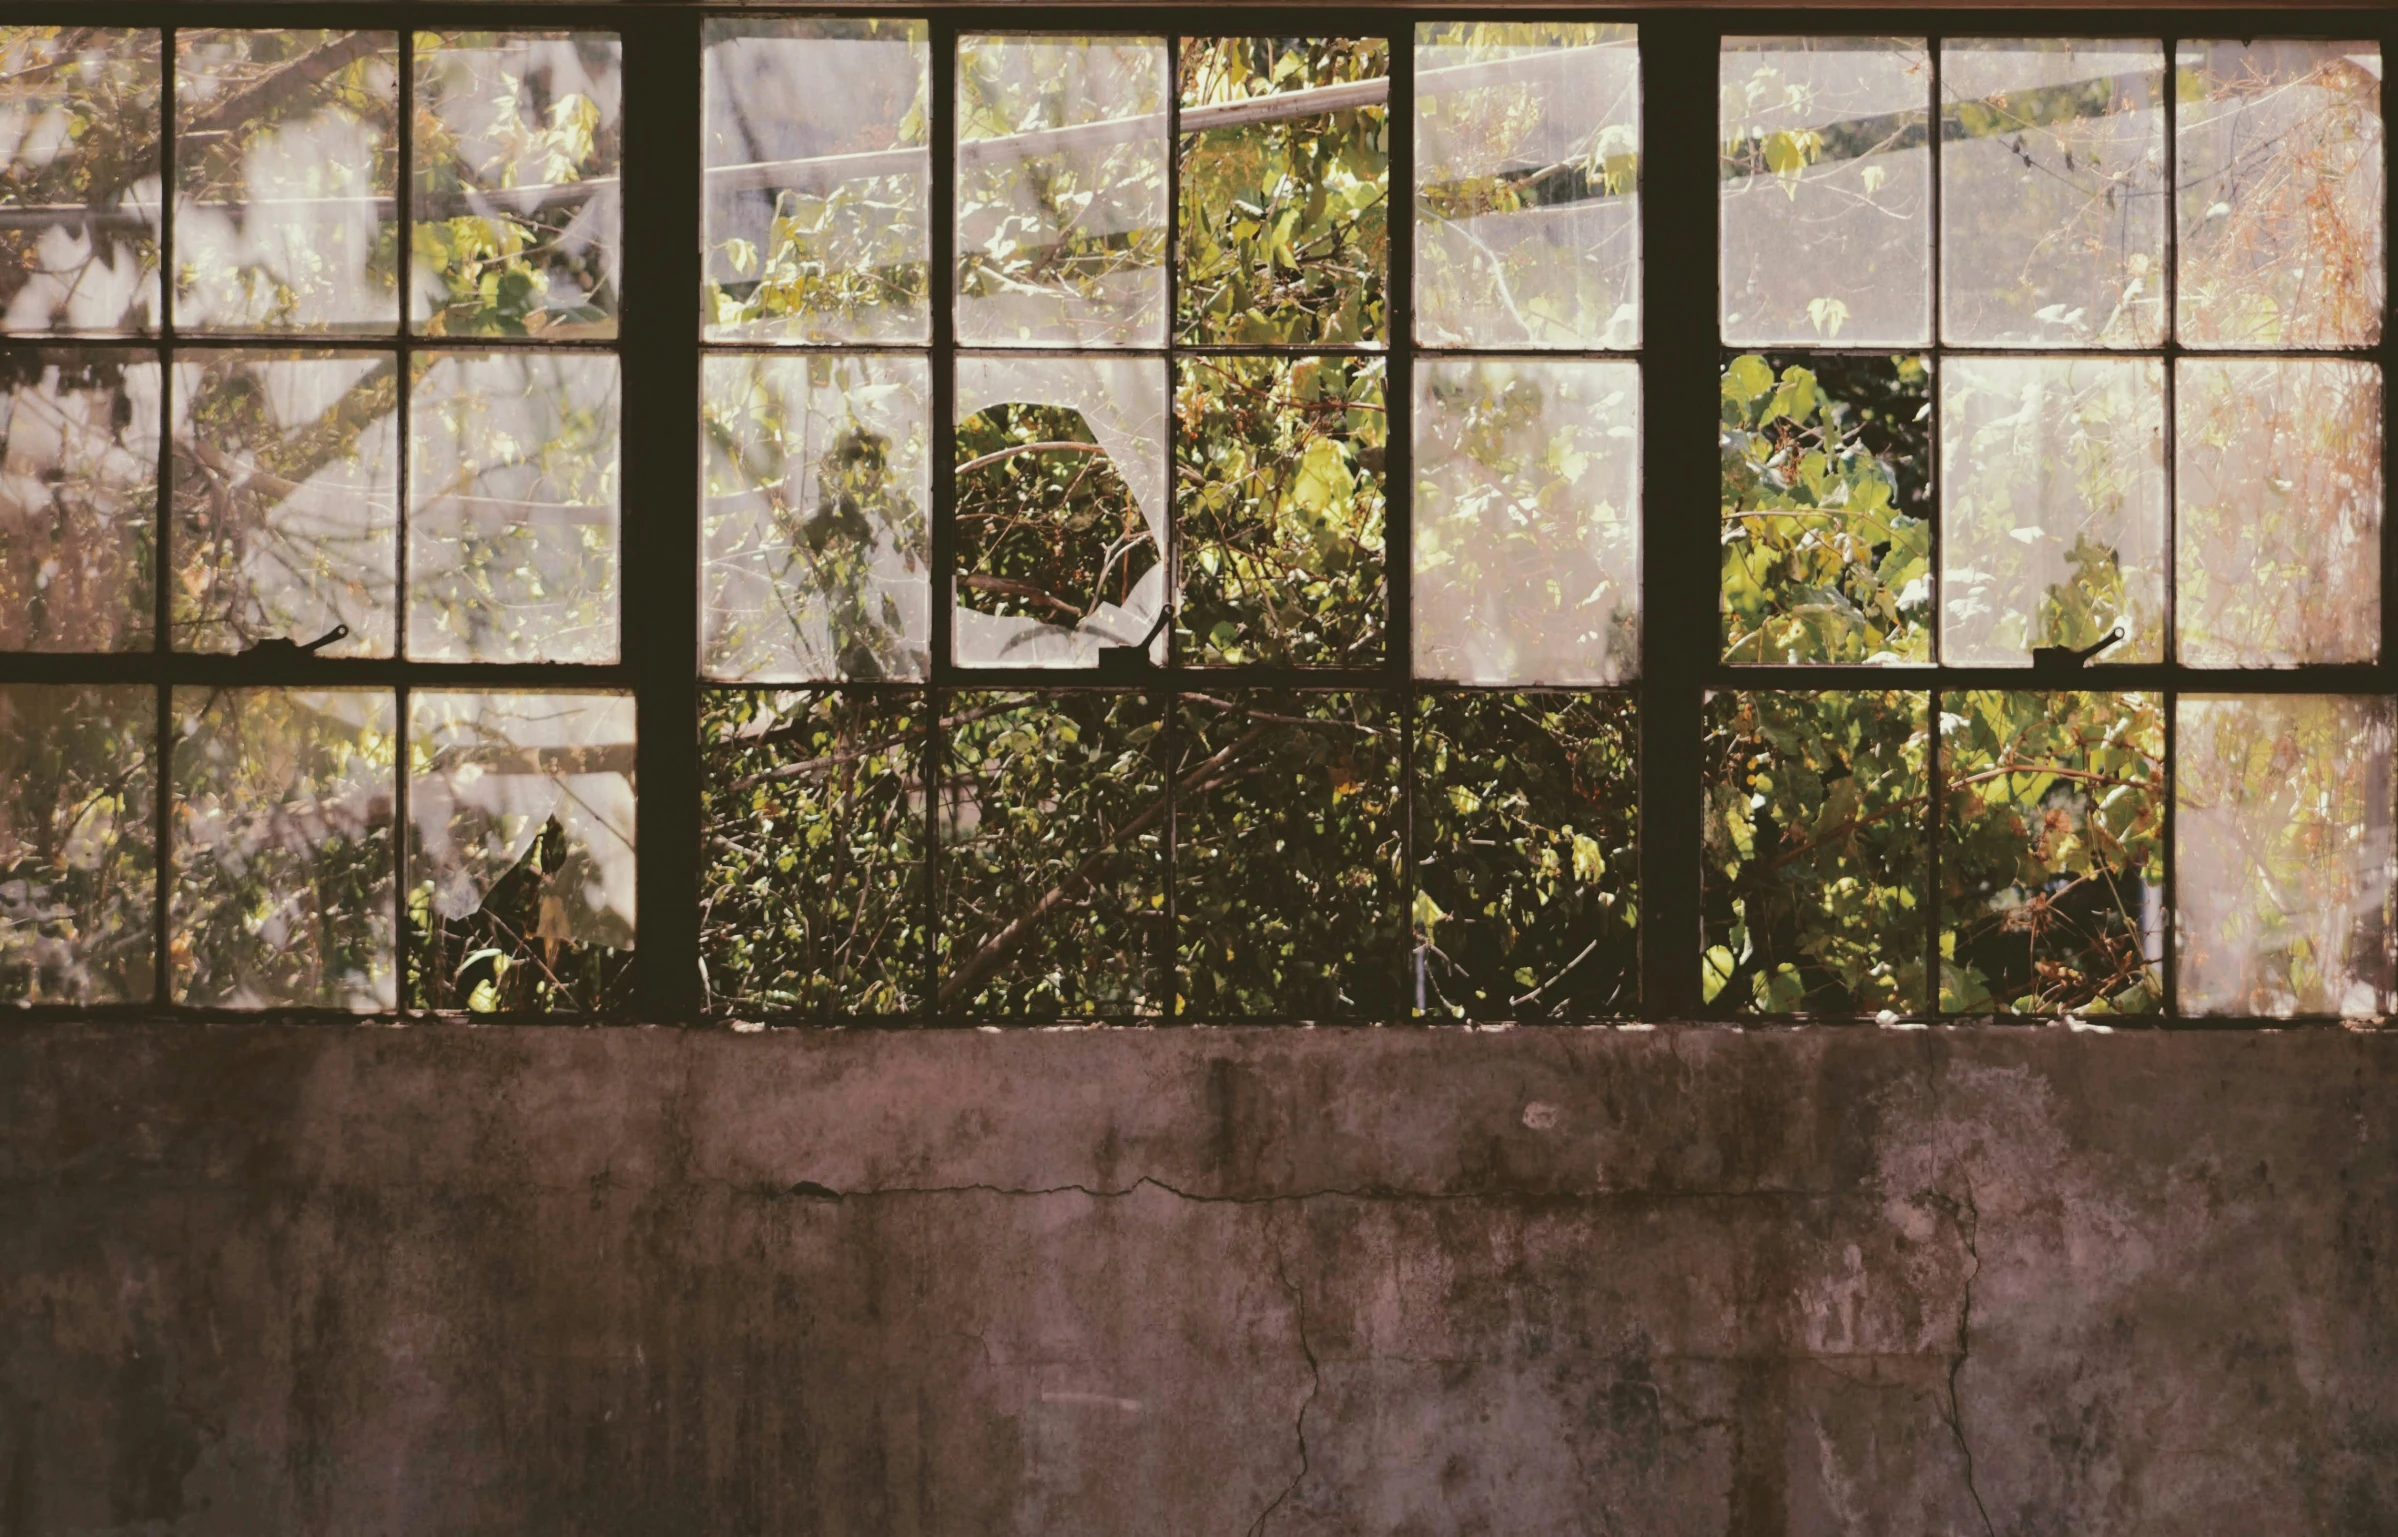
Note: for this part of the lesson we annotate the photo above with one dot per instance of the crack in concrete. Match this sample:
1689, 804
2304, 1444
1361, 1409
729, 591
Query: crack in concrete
1968, 1217
1315, 1385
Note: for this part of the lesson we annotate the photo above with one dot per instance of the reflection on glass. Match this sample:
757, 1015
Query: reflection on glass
1279, 510
816, 172
1061, 498
1061, 190
1052, 867
78, 838
812, 822
286, 483
1526, 886
1285, 218
78, 500
1527, 184
2052, 176
1827, 532
2053, 472
1814, 869
1527, 521
513, 500
2281, 206
1287, 857
286, 175
2052, 853
2283, 856
815, 553
2278, 496
78, 179
515, 193
520, 851
282, 850
1826, 190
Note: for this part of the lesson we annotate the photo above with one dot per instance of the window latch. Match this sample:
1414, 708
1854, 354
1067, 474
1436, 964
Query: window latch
282, 648
1133, 661
2056, 659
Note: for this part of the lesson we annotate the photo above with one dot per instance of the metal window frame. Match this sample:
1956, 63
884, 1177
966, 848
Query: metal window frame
659, 344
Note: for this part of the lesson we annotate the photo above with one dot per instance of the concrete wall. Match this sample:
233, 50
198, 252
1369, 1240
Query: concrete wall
273, 1280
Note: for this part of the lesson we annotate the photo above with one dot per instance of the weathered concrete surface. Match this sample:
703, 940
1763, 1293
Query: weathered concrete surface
272, 1280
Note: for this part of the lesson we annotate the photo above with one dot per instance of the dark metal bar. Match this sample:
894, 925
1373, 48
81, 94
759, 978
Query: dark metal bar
161, 610
941, 290
1937, 256
2168, 895
1398, 522
2357, 679
1169, 731
403, 939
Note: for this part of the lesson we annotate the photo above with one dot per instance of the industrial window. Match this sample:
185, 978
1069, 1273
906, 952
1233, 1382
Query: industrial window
640, 511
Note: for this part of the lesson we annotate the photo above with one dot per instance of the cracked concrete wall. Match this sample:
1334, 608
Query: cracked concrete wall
270, 1280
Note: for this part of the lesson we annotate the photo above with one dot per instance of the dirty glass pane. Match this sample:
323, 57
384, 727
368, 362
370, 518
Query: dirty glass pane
78, 500
1527, 521
2279, 499
515, 185
513, 507
1288, 886
1526, 901
1061, 191
1061, 506
2052, 207
78, 841
2281, 206
1826, 195
816, 180
282, 853
1826, 509
1285, 219
286, 174
520, 851
1527, 184
2282, 855
816, 561
2052, 853
812, 898
1279, 510
1053, 856
78, 179
2053, 477
1815, 853
286, 490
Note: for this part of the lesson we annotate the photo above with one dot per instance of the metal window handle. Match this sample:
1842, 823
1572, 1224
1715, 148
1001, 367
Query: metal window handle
284, 648
1133, 661
2055, 659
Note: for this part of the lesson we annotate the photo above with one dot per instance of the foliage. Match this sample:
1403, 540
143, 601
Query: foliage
78, 529
1046, 527
80, 105
78, 799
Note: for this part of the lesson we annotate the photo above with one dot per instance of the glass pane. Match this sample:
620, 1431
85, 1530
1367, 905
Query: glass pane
812, 818
516, 195
816, 180
1814, 856
78, 179
1826, 506
1285, 220
2052, 853
817, 561
2053, 508
2278, 494
286, 180
1279, 510
1527, 890
282, 849
513, 495
1053, 855
1061, 191
1527, 184
286, 476
520, 851
1061, 497
78, 835
1287, 856
78, 500
2052, 209
1826, 192
2282, 855
2281, 193
1527, 521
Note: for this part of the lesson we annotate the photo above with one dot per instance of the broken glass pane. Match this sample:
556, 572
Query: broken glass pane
78, 500
79, 179
520, 853
78, 842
